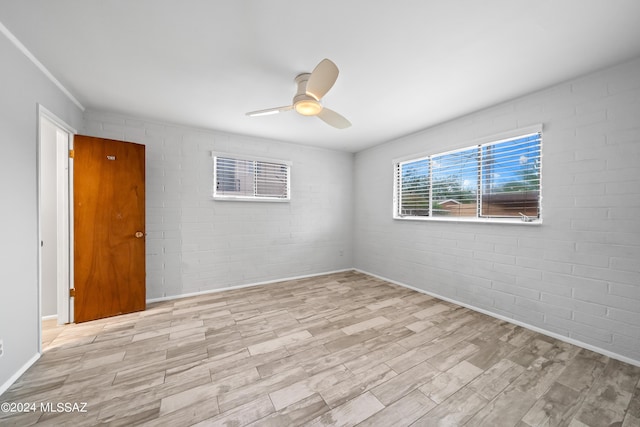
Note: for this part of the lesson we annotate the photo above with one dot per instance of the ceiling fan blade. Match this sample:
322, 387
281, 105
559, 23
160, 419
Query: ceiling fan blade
322, 79
334, 119
269, 111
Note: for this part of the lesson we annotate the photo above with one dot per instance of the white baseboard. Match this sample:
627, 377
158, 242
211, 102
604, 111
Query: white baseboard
551, 334
52, 316
248, 285
4, 387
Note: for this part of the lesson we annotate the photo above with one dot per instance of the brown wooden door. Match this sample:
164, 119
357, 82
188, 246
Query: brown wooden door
109, 227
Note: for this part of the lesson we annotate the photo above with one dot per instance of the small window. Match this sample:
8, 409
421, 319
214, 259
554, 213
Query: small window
498, 180
250, 179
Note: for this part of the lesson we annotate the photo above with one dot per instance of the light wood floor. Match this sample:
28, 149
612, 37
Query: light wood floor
342, 349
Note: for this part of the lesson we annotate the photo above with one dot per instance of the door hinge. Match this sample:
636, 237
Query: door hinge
72, 292
71, 154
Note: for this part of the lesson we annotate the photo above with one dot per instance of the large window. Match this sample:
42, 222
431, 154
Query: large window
250, 179
497, 180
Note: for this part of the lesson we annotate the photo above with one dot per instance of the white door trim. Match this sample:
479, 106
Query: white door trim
65, 213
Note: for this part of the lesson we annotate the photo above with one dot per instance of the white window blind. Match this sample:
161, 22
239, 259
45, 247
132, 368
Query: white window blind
413, 184
510, 179
250, 179
455, 183
495, 180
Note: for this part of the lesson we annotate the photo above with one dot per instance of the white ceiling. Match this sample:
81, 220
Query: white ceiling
404, 65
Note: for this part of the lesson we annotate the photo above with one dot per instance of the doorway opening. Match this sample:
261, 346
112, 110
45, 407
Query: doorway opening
55, 138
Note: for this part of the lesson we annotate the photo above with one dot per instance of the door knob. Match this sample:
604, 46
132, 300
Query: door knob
139, 234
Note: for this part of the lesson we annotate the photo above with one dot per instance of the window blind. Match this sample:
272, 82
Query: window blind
239, 179
413, 181
511, 177
499, 179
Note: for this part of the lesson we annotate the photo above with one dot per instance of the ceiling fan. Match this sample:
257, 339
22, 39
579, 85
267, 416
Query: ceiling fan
311, 88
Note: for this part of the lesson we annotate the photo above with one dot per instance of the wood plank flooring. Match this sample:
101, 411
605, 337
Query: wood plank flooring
338, 350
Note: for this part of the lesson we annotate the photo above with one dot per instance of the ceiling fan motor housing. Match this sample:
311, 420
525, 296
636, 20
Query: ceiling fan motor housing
303, 103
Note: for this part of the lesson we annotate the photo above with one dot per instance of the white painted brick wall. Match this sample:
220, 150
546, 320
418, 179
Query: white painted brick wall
197, 244
578, 274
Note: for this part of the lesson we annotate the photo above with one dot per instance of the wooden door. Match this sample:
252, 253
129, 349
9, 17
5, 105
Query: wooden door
109, 227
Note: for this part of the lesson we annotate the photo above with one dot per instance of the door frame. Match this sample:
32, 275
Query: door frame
65, 213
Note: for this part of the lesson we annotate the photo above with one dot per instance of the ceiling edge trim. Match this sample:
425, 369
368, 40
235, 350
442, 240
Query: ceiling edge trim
22, 48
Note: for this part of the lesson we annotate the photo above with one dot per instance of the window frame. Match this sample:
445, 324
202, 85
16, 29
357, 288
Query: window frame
256, 160
479, 145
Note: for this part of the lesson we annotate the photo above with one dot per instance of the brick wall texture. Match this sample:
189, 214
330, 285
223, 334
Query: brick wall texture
578, 274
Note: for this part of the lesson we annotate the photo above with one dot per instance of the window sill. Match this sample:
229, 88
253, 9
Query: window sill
249, 199
512, 221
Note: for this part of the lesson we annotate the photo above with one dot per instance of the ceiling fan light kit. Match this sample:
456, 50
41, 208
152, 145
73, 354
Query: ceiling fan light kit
311, 88
308, 107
